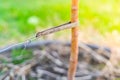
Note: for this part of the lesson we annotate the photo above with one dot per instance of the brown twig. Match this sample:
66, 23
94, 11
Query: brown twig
74, 45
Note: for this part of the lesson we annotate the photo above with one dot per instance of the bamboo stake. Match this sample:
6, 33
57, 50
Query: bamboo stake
74, 44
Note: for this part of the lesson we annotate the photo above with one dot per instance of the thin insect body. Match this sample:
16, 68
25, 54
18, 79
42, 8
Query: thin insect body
56, 29
67, 25
24, 44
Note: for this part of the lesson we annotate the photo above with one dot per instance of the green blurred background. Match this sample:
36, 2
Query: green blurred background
22, 18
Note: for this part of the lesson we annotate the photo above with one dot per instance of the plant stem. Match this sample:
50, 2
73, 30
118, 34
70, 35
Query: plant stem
74, 44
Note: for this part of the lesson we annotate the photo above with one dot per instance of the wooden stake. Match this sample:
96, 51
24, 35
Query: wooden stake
74, 44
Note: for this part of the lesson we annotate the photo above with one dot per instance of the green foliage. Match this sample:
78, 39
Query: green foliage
103, 15
117, 79
20, 18
20, 55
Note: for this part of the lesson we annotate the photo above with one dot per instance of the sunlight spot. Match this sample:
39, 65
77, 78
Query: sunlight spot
34, 20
